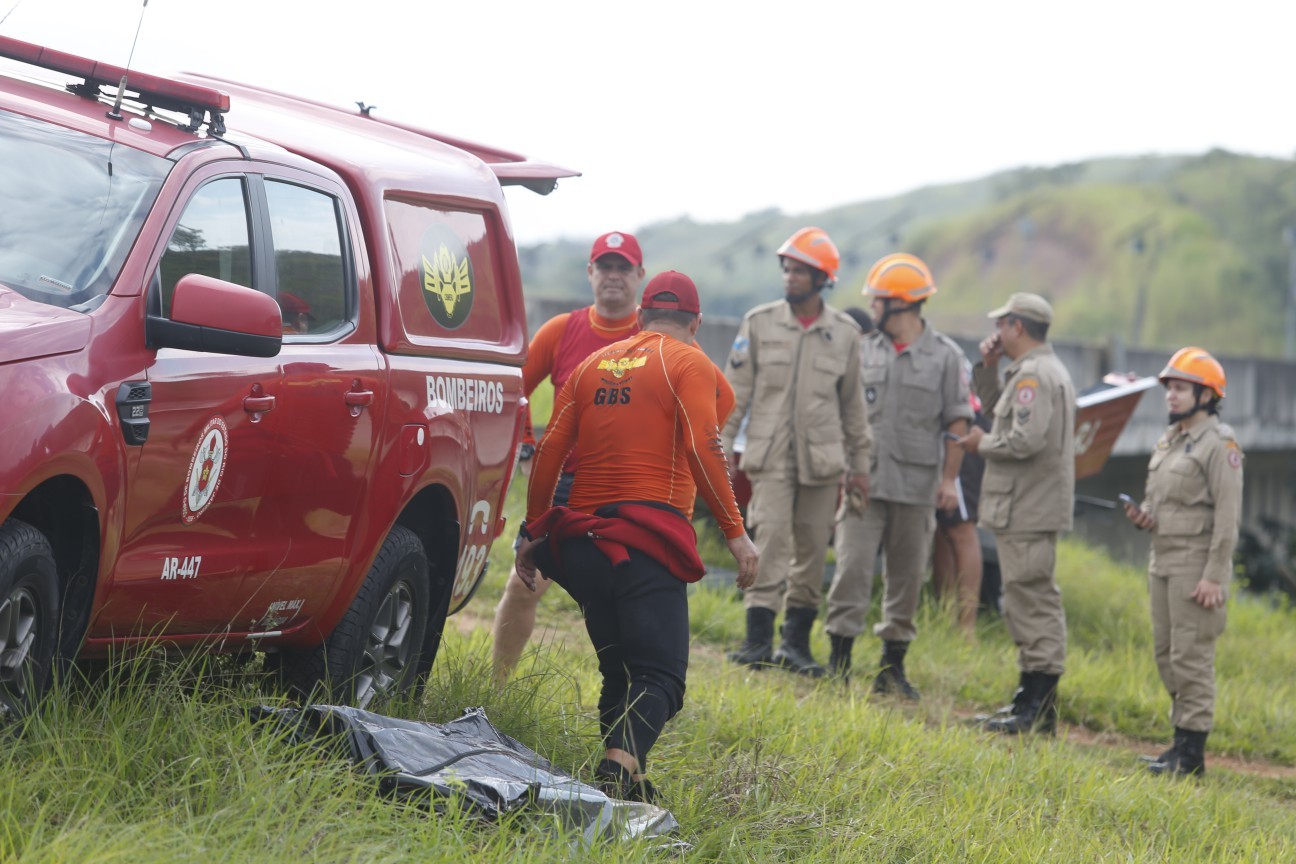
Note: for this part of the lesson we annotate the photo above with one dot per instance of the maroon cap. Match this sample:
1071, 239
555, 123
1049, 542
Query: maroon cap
671, 282
617, 243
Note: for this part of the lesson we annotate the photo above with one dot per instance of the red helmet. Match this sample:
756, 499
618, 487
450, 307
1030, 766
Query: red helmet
1196, 366
900, 276
814, 248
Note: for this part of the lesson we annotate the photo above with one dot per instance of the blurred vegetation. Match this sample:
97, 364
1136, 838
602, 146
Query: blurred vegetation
1157, 250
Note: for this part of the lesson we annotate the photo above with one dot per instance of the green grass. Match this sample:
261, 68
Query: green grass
161, 764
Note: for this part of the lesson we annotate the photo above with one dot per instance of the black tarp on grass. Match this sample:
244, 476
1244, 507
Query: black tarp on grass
472, 762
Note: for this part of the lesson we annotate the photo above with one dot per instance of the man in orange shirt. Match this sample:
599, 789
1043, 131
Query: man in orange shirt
643, 413
615, 271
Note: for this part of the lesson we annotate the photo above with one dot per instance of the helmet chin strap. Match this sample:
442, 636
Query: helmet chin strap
1181, 416
887, 311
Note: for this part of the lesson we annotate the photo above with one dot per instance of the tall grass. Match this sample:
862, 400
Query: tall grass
158, 762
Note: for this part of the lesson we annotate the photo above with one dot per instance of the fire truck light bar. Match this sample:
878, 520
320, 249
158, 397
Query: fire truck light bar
165, 93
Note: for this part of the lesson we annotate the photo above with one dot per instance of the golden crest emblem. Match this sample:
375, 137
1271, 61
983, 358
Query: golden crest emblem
447, 278
621, 365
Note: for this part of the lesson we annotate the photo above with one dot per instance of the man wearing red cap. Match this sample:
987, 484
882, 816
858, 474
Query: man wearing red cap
643, 413
615, 271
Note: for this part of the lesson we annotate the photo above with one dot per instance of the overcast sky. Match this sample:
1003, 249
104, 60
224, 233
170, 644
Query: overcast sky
717, 109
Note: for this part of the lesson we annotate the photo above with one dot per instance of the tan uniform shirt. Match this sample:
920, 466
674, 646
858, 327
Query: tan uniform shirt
801, 386
1029, 482
912, 396
1194, 491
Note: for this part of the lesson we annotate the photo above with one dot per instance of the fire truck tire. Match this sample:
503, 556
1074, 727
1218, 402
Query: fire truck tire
375, 649
29, 617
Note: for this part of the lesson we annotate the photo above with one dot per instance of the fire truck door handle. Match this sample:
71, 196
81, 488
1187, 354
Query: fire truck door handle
257, 405
358, 400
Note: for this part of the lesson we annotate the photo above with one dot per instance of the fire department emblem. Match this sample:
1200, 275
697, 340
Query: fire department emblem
206, 467
447, 278
621, 365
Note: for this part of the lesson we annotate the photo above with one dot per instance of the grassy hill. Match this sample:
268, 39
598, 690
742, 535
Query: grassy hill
1159, 251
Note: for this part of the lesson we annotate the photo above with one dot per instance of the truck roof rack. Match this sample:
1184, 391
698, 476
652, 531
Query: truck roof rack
151, 91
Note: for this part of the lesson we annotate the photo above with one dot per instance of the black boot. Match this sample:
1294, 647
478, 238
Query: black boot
758, 649
1013, 707
1169, 758
891, 678
1187, 757
839, 660
1037, 711
794, 654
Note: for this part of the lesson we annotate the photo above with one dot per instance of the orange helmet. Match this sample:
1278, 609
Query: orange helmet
900, 276
1197, 366
814, 248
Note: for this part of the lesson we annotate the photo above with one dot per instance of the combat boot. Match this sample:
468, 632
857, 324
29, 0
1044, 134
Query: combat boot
839, 660
794, 654
1013, 707
758, 649
1038, 711
1168, 759
891, 678
1189, 757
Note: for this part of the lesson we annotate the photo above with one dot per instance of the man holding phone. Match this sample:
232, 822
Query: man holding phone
1027, 497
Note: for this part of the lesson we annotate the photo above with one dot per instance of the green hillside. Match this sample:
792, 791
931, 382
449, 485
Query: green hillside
1159, 251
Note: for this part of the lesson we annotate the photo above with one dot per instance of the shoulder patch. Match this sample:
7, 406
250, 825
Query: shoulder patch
1235, 457
1026, 390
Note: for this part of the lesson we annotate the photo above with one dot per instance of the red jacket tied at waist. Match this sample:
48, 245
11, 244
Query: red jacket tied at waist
663, 535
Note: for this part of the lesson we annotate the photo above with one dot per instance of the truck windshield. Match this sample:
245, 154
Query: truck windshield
71, 206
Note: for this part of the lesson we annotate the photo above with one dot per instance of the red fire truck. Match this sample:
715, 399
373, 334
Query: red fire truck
261, 376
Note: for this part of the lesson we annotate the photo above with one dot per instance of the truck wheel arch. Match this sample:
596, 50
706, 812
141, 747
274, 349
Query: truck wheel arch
63, 510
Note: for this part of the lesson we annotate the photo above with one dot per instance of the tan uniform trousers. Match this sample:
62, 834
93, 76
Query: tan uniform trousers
1032, 601
904, 531
1184, 633
793, 522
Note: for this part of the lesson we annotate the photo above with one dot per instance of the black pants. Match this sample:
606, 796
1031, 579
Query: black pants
637, 618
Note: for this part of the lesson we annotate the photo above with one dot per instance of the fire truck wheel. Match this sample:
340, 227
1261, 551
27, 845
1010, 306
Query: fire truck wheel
375, 649
29, 617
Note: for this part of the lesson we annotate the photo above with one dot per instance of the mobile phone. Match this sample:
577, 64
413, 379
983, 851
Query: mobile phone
1125, 499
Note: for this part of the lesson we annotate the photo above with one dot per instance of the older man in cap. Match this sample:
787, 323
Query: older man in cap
615, 272
1026, 497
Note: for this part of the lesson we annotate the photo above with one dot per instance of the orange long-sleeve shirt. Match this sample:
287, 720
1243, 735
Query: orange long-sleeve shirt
559, 346
646, 413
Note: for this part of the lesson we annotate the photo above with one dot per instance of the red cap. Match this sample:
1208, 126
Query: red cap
292, 304
671, 282
618, 243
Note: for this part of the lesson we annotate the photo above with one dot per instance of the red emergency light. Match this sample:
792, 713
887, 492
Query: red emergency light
152, 89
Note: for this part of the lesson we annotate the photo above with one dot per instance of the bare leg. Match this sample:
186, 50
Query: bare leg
966, 546
515, 618
942, 562
625, 760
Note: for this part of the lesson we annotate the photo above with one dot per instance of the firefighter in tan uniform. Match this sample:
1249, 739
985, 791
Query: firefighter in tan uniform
795, 370
1026, 498
916, 392
1192, 506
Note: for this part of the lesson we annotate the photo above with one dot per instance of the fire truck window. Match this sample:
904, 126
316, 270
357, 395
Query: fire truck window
310, 274
211, 239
